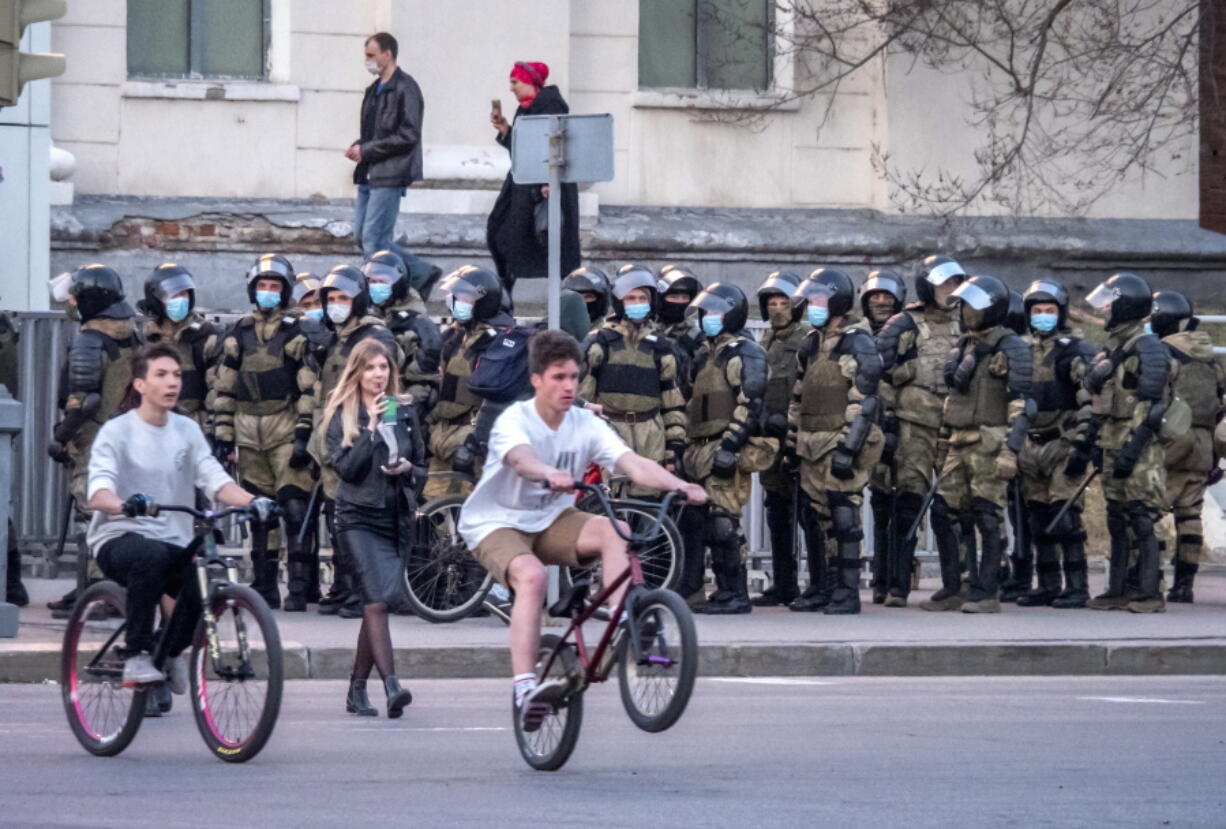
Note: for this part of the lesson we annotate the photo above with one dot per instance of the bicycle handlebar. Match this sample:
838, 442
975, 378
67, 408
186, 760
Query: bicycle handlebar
631, 538
208, 516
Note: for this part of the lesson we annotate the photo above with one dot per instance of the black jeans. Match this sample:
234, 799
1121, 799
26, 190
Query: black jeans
149, 569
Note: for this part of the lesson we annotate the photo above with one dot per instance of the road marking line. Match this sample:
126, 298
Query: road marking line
440, 728
1145, 700
768, 680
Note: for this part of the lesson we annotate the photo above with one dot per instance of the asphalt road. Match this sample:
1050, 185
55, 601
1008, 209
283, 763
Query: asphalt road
979, 752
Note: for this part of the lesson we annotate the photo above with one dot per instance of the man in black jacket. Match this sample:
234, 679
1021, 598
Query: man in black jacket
388, 154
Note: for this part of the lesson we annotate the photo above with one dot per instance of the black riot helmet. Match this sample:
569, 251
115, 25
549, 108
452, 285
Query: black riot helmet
167, 280
348, 280
306, 283
1126, 294
388, 266
883, 280
590, 281
673, 280
1171, 308
840, 291
985, 302
722, 299
934, 270
1047, 290
779, 283
1016, 318
627, 278
271, 266
98, 292
479, 287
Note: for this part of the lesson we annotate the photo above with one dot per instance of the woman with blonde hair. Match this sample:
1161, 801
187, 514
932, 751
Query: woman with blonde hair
374, 443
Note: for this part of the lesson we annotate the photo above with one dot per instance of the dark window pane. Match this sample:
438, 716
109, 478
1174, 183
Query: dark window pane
733, 38
157, 38
666, 43
228, 38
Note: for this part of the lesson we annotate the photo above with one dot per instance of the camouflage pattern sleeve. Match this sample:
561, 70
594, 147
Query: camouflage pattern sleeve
225, 390
593, 357
672, 403
297, 352
747, 373
803, 354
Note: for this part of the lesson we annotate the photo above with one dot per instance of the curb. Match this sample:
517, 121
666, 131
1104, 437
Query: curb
40, 662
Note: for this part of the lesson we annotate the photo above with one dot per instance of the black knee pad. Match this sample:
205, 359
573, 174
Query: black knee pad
989, 517
942, 515
722, 528
845, 518
1142, 519
1068, 529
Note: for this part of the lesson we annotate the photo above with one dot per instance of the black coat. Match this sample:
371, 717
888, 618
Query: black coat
511, 230
391, 133
362, 482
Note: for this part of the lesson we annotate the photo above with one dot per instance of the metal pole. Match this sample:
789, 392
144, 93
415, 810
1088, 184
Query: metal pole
557, 160
10, 427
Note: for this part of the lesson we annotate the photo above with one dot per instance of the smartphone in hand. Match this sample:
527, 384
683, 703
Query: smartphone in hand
496, 107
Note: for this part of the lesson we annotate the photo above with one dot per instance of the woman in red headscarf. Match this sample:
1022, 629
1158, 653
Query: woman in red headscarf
511, 229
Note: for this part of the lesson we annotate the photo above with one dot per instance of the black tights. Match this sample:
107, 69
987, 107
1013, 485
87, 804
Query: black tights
374, 643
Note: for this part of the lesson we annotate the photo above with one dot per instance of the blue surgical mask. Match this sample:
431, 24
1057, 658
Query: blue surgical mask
638, 312
338, 313
380, 292
268, 299
818, 315
463, 311
1149, 329
314, 314
712, 325
177, 308
1044, 322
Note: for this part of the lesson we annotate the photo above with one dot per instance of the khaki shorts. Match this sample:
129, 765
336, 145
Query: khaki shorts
554, 545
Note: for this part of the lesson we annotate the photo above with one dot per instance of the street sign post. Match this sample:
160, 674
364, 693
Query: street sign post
553, 149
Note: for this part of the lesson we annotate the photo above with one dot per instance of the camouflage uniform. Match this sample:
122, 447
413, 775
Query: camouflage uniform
419, 340
197, 340
686, 339
452, 421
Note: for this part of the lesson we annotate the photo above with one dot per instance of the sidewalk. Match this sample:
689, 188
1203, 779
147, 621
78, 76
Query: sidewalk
1187, 639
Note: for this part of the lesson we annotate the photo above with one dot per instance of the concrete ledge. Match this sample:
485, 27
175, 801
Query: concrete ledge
1167, 658
980, 659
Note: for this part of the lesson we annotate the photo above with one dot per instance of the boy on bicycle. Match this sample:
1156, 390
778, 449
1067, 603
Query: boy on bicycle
519, 518
150, 451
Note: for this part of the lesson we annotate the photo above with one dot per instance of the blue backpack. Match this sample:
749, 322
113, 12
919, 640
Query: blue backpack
501, 372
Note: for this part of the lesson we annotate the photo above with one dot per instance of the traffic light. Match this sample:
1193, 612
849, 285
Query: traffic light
18, 68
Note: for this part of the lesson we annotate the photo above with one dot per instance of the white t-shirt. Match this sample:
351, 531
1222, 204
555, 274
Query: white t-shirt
130, 456
504, 499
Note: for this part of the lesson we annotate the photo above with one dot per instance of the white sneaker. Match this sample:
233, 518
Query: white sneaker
139, 670
541, 702
178, 675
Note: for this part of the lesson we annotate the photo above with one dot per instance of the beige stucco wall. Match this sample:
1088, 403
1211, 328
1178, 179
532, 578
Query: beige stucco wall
460, 52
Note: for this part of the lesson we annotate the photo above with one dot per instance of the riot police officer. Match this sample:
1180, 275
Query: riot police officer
475, 299
1016, 581
677, 288
631, 373
1055, 455
833, 437
404, 313
265, 404
591, 283
914, 345
307, 300
781, 340
725, 447
986, 418
170, 305
883, 294
1190, 458
1129, 380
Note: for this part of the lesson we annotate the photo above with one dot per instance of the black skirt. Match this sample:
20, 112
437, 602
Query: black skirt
370, 538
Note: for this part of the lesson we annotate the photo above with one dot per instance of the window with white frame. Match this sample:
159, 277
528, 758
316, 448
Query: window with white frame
705, 44
224, 39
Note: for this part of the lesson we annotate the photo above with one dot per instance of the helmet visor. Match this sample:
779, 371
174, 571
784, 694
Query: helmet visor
627, 282
59, 285
811, 292
710, 304
941, 273
973, 295
882, 283
305, 287
1042, 289
456, 285
1102, 296
344, 283
176, 284
271, 266
380, 272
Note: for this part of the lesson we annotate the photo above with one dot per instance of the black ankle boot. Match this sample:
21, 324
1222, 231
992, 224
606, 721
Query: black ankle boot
397, 698
358, 702
1185, 575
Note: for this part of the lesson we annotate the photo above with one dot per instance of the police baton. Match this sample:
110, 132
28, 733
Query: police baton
311, 516
1080, 489
924, 505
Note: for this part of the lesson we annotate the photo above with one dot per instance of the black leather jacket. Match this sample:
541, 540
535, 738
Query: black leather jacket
391, 133
358, 466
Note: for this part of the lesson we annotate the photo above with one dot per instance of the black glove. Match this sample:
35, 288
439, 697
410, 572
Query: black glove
1078, 461
265, 509
1099, 374
777, 426
1215, 474
676, 454
465, 461
301, 458
64, 432
723, 464
842, 464
890, 430
1126, 459
223, 450
58, 452
791, 461
139, 505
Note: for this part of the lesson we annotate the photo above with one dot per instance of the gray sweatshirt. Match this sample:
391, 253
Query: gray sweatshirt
169, 463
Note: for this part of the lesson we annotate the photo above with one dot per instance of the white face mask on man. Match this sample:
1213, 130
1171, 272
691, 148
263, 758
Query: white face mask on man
372, 67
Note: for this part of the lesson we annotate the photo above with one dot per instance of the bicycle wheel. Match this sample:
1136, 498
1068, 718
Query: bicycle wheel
103, 714
443, 581
655, 693
237, 696
549, 747
660, 559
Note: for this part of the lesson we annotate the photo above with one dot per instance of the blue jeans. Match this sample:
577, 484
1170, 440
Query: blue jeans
374, 229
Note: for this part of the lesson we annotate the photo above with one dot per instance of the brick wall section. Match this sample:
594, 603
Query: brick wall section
1213, 116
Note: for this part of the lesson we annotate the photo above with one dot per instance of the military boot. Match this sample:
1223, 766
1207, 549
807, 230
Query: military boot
1076, 590
781, 522
1049, 577
985, 589
845, 600
1114, 598
949, 596
14, 591
264, 568
1017, 586
817, 595
693, 561
880, 501
1149, 567
733, 597
900, 570
1185, 574
299, 579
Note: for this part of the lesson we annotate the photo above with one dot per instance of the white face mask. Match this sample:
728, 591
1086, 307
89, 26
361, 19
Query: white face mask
372, 67
338, 313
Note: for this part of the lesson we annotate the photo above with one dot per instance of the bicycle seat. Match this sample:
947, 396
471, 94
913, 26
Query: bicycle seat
567, 605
